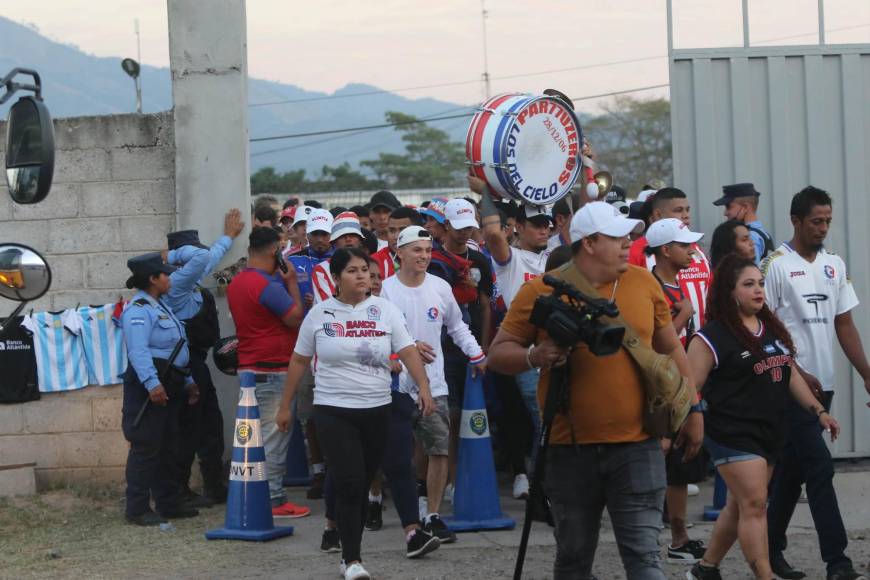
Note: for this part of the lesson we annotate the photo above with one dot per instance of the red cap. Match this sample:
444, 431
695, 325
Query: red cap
290, 212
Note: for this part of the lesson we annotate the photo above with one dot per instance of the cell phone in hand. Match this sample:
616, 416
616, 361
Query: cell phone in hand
282, 265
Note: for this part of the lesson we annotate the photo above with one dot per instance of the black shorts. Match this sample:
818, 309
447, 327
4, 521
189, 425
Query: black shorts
679, 473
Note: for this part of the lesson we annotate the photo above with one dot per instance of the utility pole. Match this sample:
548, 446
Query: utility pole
485, 55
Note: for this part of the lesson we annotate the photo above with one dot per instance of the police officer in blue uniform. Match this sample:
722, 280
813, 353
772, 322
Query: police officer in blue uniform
201, 424
156, 387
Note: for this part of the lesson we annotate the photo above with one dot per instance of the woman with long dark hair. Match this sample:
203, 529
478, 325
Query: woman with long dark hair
352, 335
743, 356
731, 237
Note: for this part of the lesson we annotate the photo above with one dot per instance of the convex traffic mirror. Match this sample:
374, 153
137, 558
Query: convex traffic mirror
29, 151
24, 274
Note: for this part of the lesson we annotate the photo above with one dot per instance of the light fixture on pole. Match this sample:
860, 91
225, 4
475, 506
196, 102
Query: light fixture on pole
131, 67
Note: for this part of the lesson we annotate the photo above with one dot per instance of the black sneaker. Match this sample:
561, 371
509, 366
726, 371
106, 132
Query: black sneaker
375, 519
846, 572
179, 513
439, 529
148, 518
216, 494
331, 542
689, 553
421, 543
699, 572
783, 569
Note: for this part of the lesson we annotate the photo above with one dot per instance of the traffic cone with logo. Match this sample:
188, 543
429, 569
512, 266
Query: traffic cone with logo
297, 473
249, 511
476, 504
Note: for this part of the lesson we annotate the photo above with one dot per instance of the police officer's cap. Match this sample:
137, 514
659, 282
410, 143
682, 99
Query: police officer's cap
731, 192
184, 238
147, 265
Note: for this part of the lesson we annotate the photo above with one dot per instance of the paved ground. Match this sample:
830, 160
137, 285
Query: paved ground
66, 534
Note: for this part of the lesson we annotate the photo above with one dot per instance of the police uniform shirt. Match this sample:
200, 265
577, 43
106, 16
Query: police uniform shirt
807, 296
151, 331
746, 394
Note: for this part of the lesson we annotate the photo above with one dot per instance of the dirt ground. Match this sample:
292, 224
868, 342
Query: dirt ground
80, 533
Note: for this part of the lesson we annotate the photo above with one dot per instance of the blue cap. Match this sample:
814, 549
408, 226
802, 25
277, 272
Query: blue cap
146, 265
184, 238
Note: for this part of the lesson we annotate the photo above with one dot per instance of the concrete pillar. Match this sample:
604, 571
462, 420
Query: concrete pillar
208, 58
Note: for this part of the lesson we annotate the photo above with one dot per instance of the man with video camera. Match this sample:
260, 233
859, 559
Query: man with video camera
603, 445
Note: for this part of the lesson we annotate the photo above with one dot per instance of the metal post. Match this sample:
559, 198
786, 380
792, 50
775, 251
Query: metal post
746, 23
485, 55
821, 22
670, 11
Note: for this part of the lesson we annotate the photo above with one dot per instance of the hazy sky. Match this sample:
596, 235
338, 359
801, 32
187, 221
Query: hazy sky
326, 44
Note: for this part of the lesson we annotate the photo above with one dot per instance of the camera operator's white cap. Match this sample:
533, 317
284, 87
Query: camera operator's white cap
412, 234
670, 230
599, 217
319, 220
460, 214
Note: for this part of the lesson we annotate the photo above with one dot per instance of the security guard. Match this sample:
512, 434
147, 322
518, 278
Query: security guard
156, 387
201, 424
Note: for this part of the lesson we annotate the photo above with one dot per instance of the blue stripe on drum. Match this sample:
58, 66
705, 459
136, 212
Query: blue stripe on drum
498, 147
251, 454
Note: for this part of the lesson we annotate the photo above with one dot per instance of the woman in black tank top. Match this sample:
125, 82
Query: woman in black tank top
743, 357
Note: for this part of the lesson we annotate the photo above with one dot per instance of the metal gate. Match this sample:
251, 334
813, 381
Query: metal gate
784, 117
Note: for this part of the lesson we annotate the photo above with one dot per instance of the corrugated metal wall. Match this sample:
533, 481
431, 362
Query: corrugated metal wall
784, 118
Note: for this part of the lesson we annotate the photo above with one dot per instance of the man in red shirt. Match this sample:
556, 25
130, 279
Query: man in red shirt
267, 310
671, 202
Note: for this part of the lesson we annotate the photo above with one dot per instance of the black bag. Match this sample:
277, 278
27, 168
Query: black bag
203, 328
768, 242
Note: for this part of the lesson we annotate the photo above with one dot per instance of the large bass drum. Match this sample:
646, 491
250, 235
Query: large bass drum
525, 147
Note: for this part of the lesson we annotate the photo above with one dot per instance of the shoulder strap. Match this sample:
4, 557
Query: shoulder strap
141, 302
768, 241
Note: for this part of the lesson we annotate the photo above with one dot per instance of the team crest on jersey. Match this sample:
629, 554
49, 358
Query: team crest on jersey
769, 349
333, 329
829, 272
374, 313
432, 314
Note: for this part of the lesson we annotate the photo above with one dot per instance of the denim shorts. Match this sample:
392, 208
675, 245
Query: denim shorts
721, 454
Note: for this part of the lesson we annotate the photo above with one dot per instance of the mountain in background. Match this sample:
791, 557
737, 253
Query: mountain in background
76, 83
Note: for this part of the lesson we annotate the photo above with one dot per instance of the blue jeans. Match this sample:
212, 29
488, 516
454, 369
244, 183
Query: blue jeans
806, 459
275, 442
626, 478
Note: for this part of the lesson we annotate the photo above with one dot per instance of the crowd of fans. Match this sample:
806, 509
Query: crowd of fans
433, 290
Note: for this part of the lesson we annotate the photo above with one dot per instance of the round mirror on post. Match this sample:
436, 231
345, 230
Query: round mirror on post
29, 151
24, 274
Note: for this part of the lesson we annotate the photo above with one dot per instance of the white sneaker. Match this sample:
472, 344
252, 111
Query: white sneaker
423, 507
693, 490
342, 568
356, 572
521, 486
448, 492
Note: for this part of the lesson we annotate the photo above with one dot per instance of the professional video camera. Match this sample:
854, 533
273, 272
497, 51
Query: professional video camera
577, 320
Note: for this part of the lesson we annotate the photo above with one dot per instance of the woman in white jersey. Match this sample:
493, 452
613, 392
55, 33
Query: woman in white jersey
351, 337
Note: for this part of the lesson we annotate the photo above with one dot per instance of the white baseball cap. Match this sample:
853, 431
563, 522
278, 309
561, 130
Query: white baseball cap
532, 211
319, 220
599, 217
302, 213
412, 234
645, 194
670, 230
460, 214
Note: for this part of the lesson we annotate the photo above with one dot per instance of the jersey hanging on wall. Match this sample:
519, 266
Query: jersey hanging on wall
102, 342
18, 382
60, 358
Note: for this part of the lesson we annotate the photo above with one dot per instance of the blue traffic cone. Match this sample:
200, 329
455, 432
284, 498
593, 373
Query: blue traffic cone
297, 473
249, 511
720, 496
476, 504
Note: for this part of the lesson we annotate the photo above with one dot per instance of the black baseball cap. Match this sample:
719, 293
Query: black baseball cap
386, 199
147, 265
184, 238
731, 192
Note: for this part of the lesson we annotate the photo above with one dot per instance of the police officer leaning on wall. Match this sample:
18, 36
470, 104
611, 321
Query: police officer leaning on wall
151, 333
201, 424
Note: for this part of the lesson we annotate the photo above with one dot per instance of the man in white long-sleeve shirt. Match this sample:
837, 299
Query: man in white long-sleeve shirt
428, 304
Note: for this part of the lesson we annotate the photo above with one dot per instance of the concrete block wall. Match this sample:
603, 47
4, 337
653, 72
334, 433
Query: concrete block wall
113, 197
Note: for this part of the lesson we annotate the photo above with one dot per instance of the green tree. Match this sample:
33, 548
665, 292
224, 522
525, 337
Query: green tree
431, 159
633, 140
267, 180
